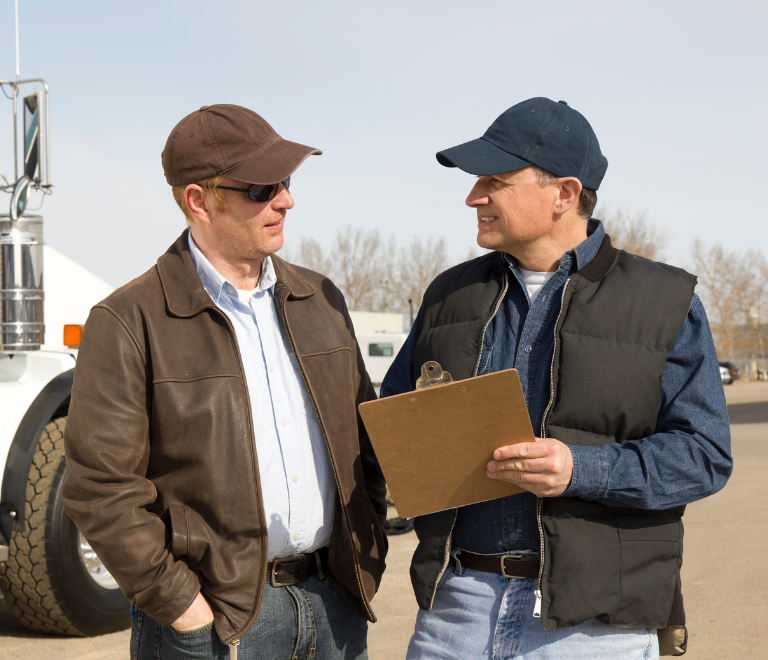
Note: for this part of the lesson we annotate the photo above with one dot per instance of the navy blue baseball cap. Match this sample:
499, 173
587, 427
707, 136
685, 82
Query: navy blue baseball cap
552, 136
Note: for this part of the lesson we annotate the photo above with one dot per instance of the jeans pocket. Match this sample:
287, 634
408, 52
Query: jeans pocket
198, 643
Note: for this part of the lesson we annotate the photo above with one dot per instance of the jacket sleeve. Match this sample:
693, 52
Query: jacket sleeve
106, 492
689, 456
375, 486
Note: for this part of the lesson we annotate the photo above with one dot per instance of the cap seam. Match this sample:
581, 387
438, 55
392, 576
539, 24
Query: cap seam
214, 142
589, 153
174, 138
547, 122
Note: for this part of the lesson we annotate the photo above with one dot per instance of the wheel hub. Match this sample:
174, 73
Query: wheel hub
93, 566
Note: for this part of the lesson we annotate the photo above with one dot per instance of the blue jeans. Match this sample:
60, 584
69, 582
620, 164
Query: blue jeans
484, 615
300, 622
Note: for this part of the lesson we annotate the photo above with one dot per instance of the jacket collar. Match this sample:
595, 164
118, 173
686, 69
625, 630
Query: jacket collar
184, 293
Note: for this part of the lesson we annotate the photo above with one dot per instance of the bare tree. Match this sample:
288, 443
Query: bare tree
711, 264
635, 233
419, 264
311, 256
744, 274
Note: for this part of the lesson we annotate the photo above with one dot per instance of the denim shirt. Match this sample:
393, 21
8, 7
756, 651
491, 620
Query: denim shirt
688, 457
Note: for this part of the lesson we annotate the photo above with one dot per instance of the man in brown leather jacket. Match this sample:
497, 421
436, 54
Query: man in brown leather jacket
216, 460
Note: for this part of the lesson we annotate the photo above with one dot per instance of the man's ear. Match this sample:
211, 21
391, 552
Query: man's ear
194, 197
570, 189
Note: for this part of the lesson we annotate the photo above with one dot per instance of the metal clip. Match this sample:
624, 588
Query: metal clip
432, 374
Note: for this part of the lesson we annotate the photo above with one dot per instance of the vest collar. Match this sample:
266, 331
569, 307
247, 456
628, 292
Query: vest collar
185, 295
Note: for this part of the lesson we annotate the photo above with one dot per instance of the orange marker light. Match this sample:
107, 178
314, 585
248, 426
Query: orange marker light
72, 335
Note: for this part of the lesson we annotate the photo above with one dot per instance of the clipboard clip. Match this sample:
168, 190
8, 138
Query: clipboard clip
432, 374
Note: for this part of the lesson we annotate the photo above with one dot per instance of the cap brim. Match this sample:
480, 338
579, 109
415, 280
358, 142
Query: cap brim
480, 157
273, 164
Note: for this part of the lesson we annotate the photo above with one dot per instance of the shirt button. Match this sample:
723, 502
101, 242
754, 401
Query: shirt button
512, 521
296, 536
528, 348
295, 478
284, 422
270, 369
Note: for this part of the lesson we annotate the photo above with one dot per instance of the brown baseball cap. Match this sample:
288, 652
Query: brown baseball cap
231, 140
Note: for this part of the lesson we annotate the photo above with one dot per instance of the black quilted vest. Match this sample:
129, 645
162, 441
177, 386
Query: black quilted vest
620, 316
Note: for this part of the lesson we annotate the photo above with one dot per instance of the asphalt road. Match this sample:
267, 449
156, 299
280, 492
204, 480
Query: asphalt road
725, 581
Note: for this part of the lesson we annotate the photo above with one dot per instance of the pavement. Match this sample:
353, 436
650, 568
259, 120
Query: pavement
724, 576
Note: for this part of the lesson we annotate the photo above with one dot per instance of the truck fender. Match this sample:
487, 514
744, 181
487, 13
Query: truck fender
53, 401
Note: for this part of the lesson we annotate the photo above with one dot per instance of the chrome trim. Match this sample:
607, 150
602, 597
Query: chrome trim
93, 565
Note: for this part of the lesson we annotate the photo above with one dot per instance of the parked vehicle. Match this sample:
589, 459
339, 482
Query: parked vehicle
733, 371
50, 577
725, 375
379, 351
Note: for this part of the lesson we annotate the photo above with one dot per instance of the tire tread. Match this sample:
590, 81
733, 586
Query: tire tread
25, 578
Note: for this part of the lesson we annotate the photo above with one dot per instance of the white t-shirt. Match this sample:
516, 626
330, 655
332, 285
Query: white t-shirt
245, 296
534, 281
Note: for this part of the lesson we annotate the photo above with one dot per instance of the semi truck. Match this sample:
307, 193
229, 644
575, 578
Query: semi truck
50, 577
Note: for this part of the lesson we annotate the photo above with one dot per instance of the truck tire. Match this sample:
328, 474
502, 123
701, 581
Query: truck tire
53, 582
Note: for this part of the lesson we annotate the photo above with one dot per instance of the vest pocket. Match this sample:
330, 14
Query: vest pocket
651, 555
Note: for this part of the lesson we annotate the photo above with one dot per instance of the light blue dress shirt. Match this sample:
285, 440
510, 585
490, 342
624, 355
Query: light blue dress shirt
297, 483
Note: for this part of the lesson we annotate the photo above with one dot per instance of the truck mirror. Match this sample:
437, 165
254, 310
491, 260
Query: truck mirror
32, 107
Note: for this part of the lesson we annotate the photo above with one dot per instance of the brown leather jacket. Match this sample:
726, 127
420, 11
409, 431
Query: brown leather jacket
162, 473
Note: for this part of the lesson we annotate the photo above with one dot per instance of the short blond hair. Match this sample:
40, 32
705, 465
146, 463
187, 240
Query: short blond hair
209, 186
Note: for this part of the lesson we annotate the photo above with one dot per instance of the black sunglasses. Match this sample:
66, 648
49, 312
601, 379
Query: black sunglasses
258, 192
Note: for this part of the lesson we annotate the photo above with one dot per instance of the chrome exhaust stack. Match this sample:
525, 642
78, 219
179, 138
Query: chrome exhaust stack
21, 236
21, 284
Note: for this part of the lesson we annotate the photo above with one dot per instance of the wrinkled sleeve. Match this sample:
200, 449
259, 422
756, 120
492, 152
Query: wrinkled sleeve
689, 456
106, 492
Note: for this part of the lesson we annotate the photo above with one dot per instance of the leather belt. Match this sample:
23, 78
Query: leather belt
510, 566
292, 570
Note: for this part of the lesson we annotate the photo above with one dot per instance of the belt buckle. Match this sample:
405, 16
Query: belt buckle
503, 568
275, 563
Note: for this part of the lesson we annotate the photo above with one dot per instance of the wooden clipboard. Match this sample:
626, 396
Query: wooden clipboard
433, 444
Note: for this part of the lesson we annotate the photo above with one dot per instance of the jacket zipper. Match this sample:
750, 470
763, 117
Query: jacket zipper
330, 456
540, 501
236, 642
447, 555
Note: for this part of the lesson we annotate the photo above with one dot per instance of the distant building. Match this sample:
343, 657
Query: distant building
368, 323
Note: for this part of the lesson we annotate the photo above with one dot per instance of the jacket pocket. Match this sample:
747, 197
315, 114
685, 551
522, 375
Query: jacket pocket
190, 537
651, 554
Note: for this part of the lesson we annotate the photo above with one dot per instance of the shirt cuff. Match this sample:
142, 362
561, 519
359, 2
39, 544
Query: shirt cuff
590, 473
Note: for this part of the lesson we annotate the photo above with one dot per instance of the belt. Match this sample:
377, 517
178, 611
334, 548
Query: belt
292, 570
510, 566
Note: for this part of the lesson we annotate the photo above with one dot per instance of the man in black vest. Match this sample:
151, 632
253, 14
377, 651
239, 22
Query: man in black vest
621, 379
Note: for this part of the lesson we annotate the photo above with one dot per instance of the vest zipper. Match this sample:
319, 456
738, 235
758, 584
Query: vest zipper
477, 366
539, 500
330, 457
234, 644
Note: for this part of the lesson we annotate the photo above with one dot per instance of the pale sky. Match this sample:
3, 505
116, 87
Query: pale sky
676, 93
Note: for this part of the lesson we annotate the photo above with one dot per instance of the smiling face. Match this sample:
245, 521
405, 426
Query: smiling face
513, 209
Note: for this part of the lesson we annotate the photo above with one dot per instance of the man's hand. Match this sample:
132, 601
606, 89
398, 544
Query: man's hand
544, 467
198, 614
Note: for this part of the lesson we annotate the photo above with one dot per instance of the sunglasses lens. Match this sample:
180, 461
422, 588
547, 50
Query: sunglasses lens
259, 193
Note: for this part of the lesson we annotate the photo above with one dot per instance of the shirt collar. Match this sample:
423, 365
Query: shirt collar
215, 283
582, 254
